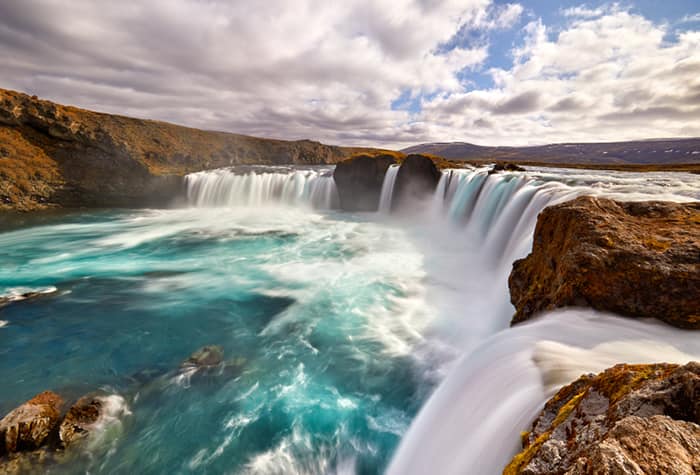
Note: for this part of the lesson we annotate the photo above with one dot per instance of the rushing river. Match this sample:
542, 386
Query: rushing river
336, 327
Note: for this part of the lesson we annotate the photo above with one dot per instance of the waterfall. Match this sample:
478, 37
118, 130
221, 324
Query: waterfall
472, 422
262, 186
388, 189
502, 376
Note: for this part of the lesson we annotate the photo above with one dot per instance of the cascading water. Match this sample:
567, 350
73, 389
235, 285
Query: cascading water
471, 424
344, 324
262, 186
388, 189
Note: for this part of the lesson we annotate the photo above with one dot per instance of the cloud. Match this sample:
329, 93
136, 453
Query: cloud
331, 71
520, 104
614, 75
695, 18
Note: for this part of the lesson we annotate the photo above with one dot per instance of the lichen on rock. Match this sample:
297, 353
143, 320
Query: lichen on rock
630, 419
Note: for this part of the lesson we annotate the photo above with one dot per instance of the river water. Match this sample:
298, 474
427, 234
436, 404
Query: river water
350, 340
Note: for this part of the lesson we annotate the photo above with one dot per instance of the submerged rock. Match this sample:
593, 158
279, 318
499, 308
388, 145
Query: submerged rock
638, 259
630, 419
28, 427
417, 178
359, 181
204, 357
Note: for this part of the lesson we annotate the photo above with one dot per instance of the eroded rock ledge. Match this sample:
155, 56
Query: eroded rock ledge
60, 156
359, 179
638, 259
630, 419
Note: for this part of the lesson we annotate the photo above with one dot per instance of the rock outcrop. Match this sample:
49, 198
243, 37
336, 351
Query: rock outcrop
630, 419
53, 155
80, 419
638, 259
417, 178
505, 167
28, 426
359, 181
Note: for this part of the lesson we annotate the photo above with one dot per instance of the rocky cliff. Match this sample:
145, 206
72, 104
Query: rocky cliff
636, 259
360, 178
54, 155
359, 181
415, 181
628, 420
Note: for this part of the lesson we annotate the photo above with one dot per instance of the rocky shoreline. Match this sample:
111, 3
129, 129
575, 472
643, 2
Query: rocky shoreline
40, 433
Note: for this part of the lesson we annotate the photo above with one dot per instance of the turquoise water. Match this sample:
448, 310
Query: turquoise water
335, 327
312, 302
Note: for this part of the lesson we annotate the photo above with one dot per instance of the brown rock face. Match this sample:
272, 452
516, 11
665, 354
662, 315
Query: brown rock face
359, 181
416, 180
28, 426
634, 259
630, 419
80, 419
54, 155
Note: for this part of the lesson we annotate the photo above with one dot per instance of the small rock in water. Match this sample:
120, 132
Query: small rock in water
205, 357
80, 419
28, 426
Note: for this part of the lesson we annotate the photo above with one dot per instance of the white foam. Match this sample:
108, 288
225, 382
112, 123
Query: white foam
471, 424
3, 323
561, 364
105, 432
20, 293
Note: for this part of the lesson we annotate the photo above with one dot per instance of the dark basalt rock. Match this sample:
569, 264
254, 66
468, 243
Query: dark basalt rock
27, 427
416, 180
638, 259
359, 181
505, 167
630, 419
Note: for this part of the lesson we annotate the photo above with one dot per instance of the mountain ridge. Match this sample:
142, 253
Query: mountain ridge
639, 152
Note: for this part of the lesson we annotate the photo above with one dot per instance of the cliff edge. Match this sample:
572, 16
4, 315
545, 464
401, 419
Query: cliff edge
60, 156
638, 259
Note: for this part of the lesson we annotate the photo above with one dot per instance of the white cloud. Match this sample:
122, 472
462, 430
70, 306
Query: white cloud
331, 70
610, 77
690, 18
308, 68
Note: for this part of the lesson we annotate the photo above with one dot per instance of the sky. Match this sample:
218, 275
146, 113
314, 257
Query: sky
388, 73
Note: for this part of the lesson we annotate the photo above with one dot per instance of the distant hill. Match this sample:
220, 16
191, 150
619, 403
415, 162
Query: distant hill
644, 152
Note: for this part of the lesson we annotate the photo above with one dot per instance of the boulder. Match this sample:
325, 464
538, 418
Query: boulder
28, 426
359, 181
505, 167
417, 179
80, 419
637, 259
630, 419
